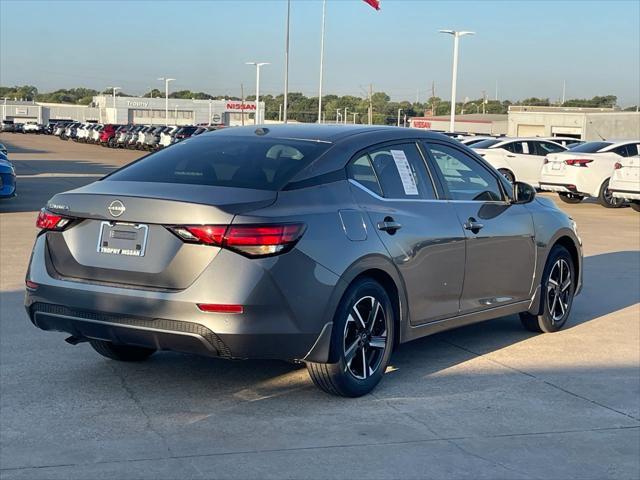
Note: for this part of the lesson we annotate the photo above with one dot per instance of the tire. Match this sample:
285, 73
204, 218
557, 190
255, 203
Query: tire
554, 313
123, 353
353, 339
635, 206
570, 197
606, 199
508, 174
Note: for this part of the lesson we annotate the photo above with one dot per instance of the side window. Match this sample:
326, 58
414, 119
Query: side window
362, 172
516, 147
401, 172
545, 148
628, 150
464, 177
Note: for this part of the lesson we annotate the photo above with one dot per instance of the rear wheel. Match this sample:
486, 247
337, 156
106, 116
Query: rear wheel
606, 198
570, 197
557, 291
123, 353
636, 206
362, 340
508, 174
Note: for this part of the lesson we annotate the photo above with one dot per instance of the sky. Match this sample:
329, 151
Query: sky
529, 48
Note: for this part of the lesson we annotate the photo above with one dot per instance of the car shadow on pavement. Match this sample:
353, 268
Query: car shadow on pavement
13, 148
611, 284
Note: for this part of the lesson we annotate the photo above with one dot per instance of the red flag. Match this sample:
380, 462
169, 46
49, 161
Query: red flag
374, 3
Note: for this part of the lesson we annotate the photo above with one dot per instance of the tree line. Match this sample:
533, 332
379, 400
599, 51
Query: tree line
305, 109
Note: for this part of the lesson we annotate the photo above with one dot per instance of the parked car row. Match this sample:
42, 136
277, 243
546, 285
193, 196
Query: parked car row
574, 171
135, 137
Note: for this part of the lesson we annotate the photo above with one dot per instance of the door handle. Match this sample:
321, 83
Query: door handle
389, 225
473, 225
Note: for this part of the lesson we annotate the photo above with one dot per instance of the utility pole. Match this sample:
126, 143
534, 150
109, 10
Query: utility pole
286, 63
433, 98
564, 90
242, 98
370, 104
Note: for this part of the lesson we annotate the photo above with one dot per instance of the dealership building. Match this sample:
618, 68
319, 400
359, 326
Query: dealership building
136, 110
530, 121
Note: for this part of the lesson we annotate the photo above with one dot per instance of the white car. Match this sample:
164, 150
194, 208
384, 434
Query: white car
82, 132
625, 181
165, 137
585, 171
94, 134
518, 159
32, 127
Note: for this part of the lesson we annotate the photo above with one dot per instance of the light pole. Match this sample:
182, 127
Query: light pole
209, 112
258, 65
399, 112
166, 98
454, 75
346, 109
115, 120
324, 11
354, 116
338, 114
286, 64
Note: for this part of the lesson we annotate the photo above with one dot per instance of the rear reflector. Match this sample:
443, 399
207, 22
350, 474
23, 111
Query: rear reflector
617, 166
249, 240
50, 221
31, 285
217, 308
578, 162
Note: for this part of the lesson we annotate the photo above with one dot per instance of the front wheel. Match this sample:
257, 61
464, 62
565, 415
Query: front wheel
557, 291
123, 353
507, 174
606, 198
570, 197
362, 341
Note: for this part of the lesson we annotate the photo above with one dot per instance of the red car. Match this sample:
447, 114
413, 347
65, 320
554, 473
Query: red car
108, 134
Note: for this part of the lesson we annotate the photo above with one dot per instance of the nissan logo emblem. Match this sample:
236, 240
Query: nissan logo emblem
116, 208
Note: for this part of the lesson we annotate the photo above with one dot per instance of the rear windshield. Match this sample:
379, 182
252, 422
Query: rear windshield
210, 159
590, 147
486, 143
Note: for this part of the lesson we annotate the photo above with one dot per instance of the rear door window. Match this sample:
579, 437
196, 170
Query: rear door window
361, 171
401, 172
545, 148
217, 160
517, 147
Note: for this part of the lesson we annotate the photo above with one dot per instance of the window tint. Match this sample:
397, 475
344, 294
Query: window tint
628, 150
464, 177
401, 172
238, 161
590, 147
545, 148
516, 147
485, 143
362, 172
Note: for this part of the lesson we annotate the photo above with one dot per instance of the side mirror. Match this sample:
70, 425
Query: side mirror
523, 193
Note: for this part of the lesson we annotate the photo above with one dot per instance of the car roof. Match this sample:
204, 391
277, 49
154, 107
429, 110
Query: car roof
616, 144
329, 133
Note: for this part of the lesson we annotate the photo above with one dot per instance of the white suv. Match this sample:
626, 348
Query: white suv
518, 159
585, 171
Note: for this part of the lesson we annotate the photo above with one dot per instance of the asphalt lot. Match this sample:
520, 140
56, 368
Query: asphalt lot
485, 401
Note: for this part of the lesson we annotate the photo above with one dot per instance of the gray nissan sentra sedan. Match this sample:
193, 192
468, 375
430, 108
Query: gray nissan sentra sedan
323, 244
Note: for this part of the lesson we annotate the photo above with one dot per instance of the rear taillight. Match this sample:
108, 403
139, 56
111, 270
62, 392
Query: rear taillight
578, 162
50, 221
617, 166
248, 240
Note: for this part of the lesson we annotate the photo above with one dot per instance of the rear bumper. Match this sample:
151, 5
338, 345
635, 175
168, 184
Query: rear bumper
626, 194
561, 188
276, 322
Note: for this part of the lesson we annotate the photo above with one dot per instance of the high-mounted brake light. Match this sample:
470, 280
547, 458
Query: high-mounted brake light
249, 240
50, 221
578, 162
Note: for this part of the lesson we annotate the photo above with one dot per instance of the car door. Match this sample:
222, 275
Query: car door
525, 164
500, 240
421, 232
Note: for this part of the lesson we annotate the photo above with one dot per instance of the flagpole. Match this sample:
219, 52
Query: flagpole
286, 65
324, 7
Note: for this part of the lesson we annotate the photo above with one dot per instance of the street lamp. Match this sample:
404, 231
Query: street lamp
166, 98
399, 112
454, 76
346, 109
354, 116
258, 65
115, 120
